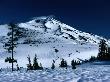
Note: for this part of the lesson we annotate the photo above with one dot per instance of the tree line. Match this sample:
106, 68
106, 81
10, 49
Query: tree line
63, 64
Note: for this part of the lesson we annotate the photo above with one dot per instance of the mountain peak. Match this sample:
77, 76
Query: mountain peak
49, 24
44, 17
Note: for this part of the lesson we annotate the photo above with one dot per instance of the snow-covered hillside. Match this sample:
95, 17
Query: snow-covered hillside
50, 40
50, 25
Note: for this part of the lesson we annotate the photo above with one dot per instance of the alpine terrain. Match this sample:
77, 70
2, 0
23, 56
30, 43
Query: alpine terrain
50, 39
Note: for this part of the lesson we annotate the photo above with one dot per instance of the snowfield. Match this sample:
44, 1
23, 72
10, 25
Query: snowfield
83, 73
46, 53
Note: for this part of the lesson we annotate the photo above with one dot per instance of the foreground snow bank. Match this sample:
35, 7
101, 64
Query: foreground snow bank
83, 73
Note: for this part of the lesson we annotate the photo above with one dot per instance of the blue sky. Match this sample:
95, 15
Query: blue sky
86, 15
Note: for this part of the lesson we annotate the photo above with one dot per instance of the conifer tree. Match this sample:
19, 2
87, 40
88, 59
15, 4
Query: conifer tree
35, 63
17, 67
103, 51
11, 43
73, 64
29, 66
63, 63
53, 66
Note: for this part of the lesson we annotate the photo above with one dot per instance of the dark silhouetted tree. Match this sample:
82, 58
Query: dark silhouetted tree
63, 63
12, 42
35, 63
29, 66
103, 54
17, 67
73, 64
53, 65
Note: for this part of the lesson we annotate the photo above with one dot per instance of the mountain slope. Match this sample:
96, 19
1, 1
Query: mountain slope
50, 40
51, 25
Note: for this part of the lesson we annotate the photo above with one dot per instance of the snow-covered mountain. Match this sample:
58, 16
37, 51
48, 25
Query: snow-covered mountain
52, 26
49, 39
